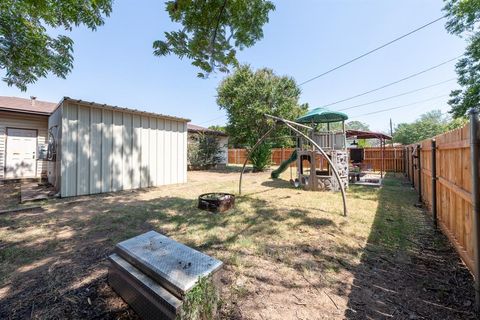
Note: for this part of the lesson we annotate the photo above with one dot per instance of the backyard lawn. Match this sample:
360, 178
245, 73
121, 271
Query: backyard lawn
288, 253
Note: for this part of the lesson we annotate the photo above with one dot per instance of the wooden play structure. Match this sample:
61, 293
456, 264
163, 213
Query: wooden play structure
313, 172
321, 153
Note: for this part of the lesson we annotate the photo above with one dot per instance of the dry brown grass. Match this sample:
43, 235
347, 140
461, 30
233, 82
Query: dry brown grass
288, 253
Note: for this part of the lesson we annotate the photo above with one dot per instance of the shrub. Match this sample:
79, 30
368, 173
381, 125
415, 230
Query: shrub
261, 157
204, 151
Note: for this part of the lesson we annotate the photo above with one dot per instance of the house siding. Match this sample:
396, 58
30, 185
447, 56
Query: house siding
23, 121
105, 150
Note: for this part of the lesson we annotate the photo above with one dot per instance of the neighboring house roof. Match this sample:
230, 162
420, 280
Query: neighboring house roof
197, 129
106, 106
23, 105
34, 106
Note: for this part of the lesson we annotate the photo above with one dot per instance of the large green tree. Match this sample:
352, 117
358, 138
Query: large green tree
211, 32
463, 20
427, 126
246, 95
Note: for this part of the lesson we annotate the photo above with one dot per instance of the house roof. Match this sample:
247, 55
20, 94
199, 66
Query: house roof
197, 129
107, 106
34, 106
23, 105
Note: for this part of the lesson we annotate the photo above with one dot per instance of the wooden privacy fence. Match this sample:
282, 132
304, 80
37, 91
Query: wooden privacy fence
447, 191
393, 161
394, 157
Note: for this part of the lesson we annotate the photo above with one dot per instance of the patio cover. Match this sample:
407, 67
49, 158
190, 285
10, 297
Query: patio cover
367, 135
322, 115
371, 135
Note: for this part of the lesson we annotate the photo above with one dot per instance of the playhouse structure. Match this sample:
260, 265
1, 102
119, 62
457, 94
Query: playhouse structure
313, 171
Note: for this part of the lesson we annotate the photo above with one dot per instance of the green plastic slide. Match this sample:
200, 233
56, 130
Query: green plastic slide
284, 165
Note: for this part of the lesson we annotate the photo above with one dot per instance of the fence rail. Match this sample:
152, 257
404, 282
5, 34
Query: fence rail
393, 161
453, 183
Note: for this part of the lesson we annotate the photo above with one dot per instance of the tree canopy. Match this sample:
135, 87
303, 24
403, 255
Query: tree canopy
210, 34
246, 95
27, 51
463, 20
357, 125
427, 126
213, 30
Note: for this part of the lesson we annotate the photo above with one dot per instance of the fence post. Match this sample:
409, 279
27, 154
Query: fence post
412, 165
394, 161
405, 162
475, 201
419, 166
434, 182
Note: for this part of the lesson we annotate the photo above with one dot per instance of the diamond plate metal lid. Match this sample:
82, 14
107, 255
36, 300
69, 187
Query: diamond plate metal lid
174, 265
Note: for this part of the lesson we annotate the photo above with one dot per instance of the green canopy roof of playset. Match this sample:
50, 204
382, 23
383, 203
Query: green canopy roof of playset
322, 115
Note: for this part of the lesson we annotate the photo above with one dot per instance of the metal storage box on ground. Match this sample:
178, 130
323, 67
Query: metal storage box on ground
154, 273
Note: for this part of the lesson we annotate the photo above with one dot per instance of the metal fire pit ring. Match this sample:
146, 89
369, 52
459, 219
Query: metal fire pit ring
216, 201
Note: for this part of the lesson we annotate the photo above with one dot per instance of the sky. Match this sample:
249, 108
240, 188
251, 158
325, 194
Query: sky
115, 64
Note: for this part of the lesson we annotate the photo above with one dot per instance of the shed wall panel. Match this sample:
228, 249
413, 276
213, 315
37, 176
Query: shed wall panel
96, 151
152, 163
144, 171
160, 151
167, 153
105, 150
127, 151
69, 150
117, 162
83, 151
136, 151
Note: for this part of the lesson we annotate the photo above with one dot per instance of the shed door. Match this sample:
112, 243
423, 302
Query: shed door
21, 147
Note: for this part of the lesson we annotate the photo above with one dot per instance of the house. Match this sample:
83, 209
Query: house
222, 137
84, 147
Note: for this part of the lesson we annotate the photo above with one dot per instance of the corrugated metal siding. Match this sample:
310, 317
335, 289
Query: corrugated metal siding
22, 121
114, 150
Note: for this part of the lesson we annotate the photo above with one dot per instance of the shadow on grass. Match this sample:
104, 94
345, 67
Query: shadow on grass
60, 267
408, 270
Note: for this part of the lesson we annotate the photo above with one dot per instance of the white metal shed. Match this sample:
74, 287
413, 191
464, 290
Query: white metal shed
101, 148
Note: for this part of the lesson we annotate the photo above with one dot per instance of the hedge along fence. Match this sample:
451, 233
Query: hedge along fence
451, 203
393, 161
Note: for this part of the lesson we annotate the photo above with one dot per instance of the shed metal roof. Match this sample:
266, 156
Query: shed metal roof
117, 108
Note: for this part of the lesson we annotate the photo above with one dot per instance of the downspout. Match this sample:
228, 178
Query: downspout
474, 144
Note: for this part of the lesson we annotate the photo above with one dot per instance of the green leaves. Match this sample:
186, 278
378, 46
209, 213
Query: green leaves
247, 95
211, 33
213, 30
427, 126
27, 51
463, 17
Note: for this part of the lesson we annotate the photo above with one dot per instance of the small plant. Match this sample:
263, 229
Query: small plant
204, 151
261, 157
201, 302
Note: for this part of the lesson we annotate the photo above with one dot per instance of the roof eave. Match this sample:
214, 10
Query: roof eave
98, 105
